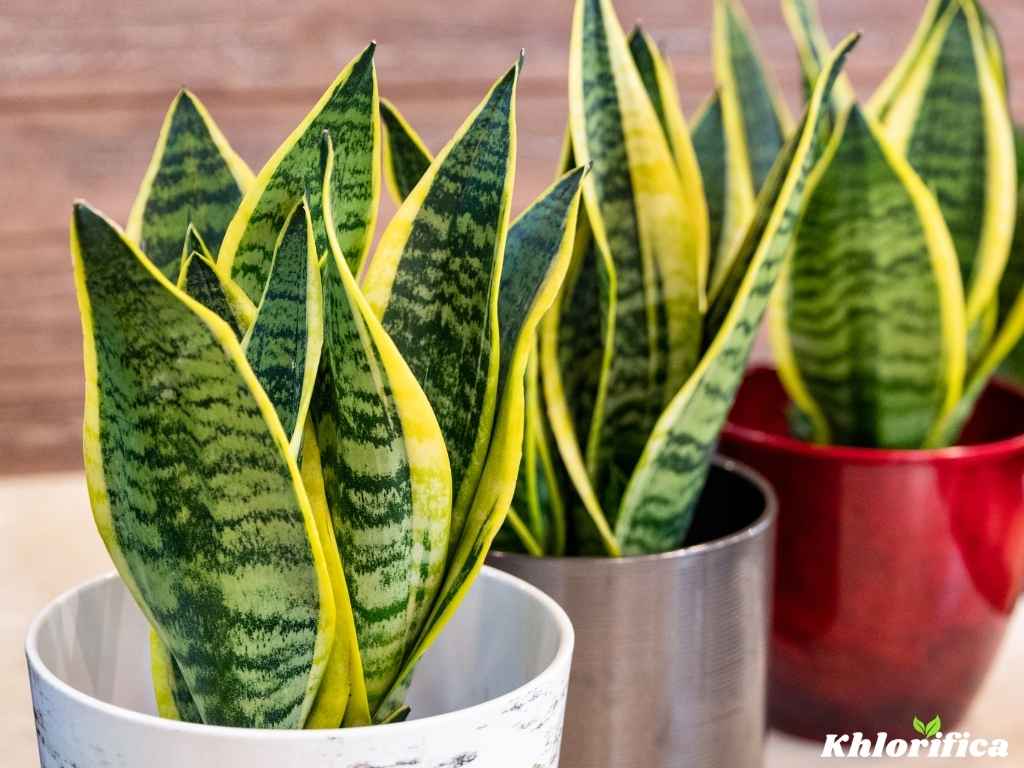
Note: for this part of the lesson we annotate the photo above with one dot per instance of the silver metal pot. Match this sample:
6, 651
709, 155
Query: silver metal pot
671, 654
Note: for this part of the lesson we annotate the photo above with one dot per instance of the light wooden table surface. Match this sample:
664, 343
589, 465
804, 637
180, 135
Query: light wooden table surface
48, 544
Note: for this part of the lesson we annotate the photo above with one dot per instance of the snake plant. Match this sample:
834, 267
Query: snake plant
897, 304
298, 454
678, 245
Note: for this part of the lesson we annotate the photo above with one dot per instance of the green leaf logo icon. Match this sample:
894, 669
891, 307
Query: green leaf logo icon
930, 729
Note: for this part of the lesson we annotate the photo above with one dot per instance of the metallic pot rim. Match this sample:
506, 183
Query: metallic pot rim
762, 525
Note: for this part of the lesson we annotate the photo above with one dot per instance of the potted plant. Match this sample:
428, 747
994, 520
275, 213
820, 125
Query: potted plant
298, 473
676, 250
898, 465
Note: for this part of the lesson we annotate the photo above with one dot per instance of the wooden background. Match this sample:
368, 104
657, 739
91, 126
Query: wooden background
84, 85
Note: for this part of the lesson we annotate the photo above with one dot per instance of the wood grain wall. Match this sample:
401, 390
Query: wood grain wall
83, 88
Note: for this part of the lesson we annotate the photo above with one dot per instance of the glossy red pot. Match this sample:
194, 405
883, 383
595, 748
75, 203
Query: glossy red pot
896, 571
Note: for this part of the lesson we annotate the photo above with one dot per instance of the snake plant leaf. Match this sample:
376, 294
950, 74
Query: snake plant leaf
660, 83
804, 22
283, 345
755, 123
224, 562
349, 111
951, 120
342, 696
194, 178
434, 279
386, 473
576, 345
710, 146
537, 489
173, 699
1012, 284
1005, 352
537, 257
636, 209
406, 157
900, 80
201, 280
659, 500
870, 325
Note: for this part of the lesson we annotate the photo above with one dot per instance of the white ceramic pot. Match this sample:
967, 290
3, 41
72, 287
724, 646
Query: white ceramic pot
489, 694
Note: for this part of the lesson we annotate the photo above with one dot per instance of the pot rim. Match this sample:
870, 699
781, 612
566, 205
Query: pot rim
561, 659
762, 524
852, 454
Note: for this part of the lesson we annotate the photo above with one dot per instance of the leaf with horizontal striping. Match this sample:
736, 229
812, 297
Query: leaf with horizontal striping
203, 281
349, 111
710, 147
283, 344
406, 157
870, 328
538, 490
433, 281
755, 124
658, 504
804, 22
576, 344
1005, 352
173, 700
536, 259
951, 120
660, 84
644, 231
386, 474
194, 491
900, 79
194, 178
1012, 283
341, 697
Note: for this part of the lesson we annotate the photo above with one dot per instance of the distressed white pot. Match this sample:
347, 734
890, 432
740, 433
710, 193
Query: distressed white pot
489, 694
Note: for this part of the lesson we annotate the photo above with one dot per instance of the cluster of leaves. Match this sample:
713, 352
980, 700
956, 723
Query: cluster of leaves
298, 454
904, 292
679, 244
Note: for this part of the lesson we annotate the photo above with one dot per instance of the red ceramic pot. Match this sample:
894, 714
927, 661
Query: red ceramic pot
896, 571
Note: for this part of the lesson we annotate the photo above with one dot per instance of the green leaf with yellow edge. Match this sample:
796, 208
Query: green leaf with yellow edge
660, 84
194, 178
538, 489
173, 700
804, 22
349, 111
203, 281
406, 157
899, 79
869, 325
224, 562
341, 698
433, 281
755, 123
662, 493
711, 150
1012, 284
951, 119
645, 234
386, 474
284, 342
537, 256
576, 345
